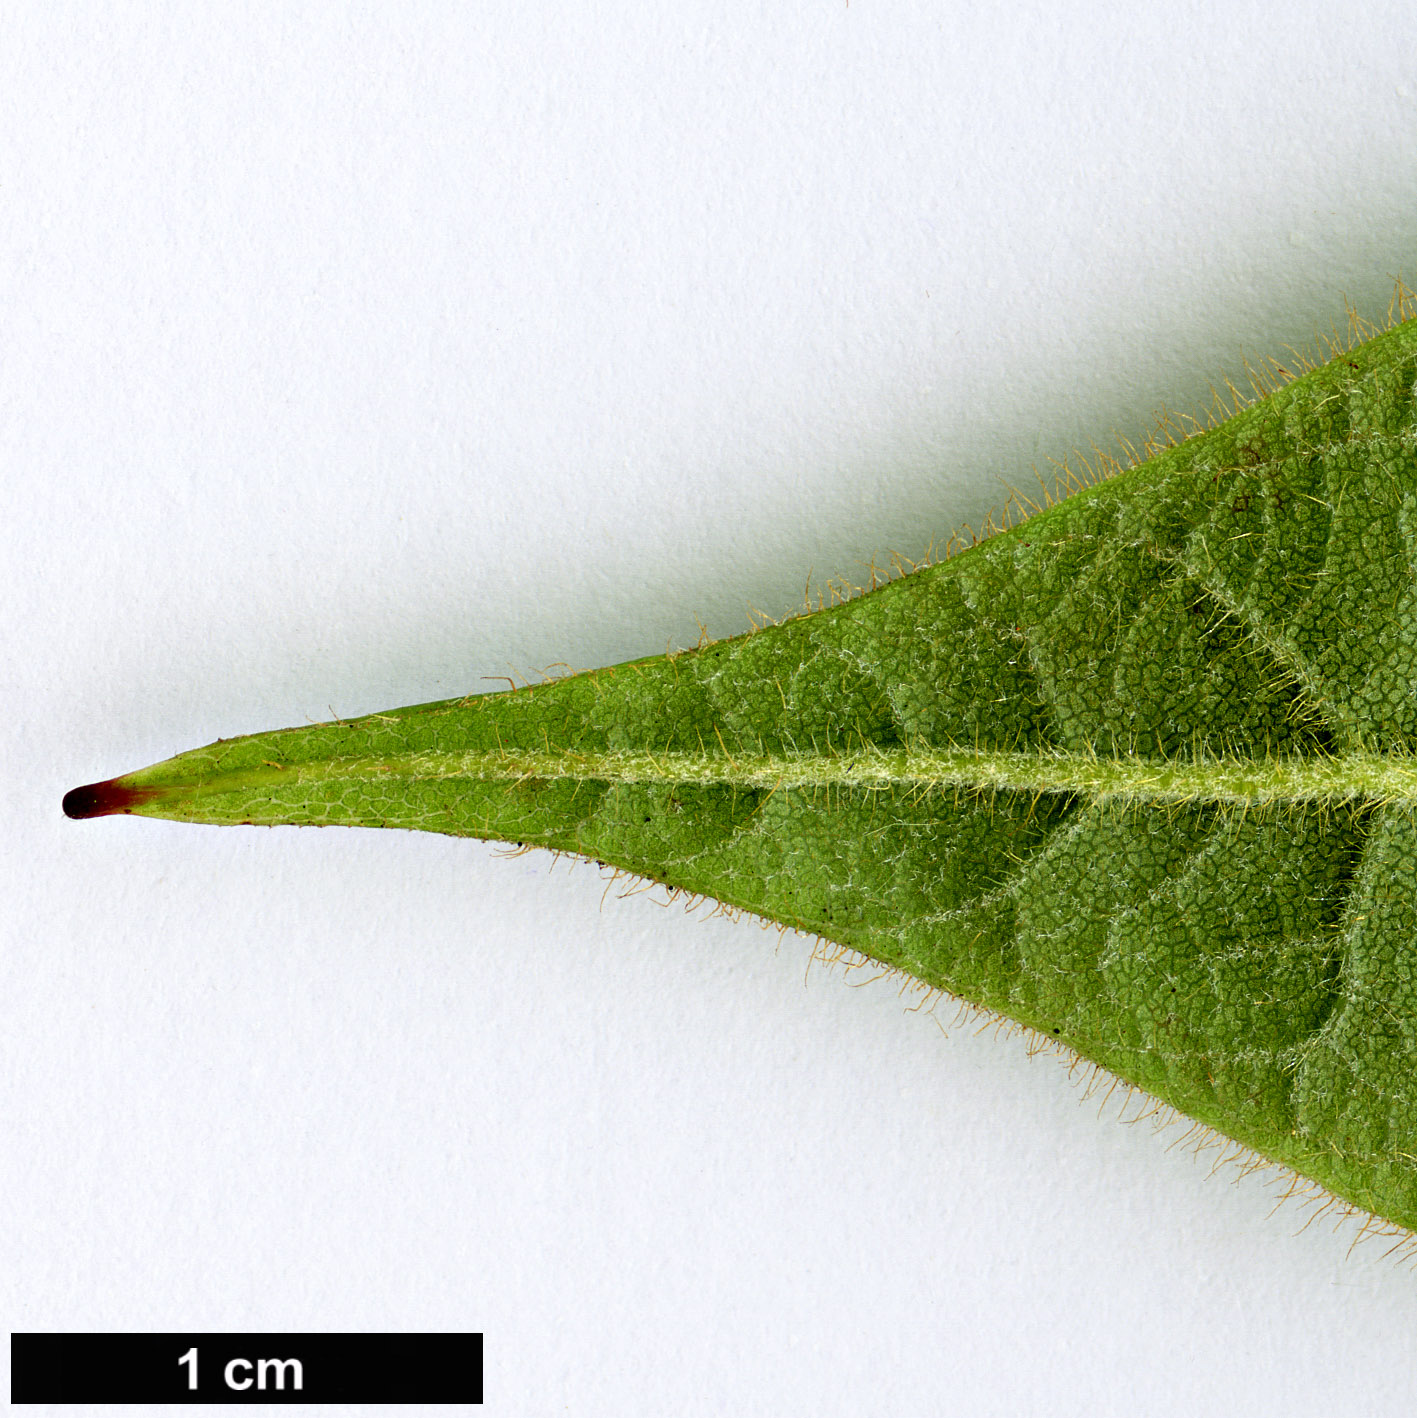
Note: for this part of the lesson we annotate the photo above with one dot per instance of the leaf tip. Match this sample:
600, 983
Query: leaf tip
103, 799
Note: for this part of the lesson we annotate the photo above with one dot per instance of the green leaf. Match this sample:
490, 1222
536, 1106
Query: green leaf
1138, 773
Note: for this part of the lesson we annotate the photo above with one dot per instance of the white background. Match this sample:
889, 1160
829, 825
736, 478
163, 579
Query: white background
355, 356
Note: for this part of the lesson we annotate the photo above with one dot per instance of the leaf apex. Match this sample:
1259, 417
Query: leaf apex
105, 798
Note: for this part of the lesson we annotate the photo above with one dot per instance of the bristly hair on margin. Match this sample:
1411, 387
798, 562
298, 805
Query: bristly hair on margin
1228, 1158
1081, 469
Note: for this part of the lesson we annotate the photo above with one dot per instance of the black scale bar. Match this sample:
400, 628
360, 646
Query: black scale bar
246, 1368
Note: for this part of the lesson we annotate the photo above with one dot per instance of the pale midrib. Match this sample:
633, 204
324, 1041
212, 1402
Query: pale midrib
1370, 777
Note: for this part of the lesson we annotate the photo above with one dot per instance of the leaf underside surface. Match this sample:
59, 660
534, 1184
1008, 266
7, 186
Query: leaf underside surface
1140, 773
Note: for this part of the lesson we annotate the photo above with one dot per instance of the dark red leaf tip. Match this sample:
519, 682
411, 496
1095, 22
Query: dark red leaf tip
102, 799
